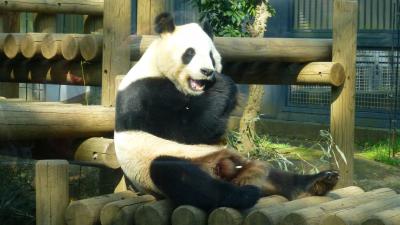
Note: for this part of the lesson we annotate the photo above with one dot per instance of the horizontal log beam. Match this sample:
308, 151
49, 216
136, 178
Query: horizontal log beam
256, 49
84, 7
318, 73
44, 71
29, 121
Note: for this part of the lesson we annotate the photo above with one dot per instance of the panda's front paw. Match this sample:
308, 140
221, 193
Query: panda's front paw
324, 182
241, 197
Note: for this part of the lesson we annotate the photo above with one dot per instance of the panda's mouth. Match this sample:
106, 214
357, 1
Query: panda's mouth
197, 85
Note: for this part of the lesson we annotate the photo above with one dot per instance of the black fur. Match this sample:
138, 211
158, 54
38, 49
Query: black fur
154, 105
187, 184
164, 23
212, 59
188, 56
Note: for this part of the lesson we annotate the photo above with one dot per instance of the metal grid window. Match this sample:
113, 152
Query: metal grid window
375, 85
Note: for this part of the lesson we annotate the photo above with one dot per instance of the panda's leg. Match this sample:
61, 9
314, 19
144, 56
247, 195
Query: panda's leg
186, 183
294, 186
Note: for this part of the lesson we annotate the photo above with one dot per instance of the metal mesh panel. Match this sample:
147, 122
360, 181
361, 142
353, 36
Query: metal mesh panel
375, 84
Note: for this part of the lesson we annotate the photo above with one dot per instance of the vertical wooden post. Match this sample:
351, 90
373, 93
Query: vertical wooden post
52, 193
147, 10
116, 54
343, 97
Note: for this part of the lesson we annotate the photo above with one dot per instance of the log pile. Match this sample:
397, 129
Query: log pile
33, 57
345, 206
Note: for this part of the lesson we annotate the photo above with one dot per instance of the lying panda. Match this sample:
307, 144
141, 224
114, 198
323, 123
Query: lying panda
171, 112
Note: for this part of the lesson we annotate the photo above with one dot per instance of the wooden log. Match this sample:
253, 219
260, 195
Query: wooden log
314, 215
155, 213
92, 24
224, 215
296, 50
116, 46
273, 214
360, 213
231, 216
122, 212
26, 121
51, 46
188, 215
317, 73
97, 151
91, 47
52, 192
343, 98
45, 22
70, 46
58, 72
87, 211
89, 7
31, 43
387, 217
12, 45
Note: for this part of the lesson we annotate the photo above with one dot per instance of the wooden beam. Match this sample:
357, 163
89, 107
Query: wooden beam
343, 98
51, 46
314, 215
154, 213
387, 217
52, 191
91, 47
50, 72
12, 45
317, 73
29, 121
87, 211
256, 49
70, 46
89, 7
97, 151
116, 30
31, 45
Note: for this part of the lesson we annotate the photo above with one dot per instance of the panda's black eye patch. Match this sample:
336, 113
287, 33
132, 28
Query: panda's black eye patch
188, 55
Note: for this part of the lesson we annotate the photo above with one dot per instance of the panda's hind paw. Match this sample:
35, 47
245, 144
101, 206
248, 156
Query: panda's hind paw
242, 197
323, 182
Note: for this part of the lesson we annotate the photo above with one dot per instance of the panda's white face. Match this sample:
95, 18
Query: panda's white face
188, 57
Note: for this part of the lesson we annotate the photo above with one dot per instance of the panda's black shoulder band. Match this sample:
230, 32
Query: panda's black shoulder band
164, 23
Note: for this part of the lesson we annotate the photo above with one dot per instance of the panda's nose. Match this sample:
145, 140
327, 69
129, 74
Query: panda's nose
207, 72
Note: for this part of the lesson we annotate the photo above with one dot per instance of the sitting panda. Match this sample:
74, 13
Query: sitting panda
172, 110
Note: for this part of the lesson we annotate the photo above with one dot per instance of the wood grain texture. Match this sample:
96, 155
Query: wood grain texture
316, 73
51, 46
91, 47
314, 215
31, 45
224, 215
28, 121
70, 46
274, 213
12, 45
256, 49
188, 215
115, 46
97, 151
52, 191
122, 212
87, 211
155, 213
144, 18
359, 214
342, 119
387, 217
90, 7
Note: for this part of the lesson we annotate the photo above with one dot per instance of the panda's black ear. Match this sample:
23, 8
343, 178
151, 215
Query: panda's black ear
205, 24
164, 23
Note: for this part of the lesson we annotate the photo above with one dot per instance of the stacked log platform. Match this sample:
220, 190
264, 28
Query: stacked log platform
347, 206
36, 58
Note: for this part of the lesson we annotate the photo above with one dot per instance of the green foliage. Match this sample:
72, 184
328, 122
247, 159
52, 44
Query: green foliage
229, 17
381, 151
17, 196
